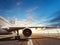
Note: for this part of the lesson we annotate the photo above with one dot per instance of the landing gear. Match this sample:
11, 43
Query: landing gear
18, 36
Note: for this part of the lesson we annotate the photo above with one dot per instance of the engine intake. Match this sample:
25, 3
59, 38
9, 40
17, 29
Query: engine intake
27, 32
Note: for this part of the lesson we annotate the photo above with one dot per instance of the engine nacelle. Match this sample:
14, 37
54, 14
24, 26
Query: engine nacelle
27, 32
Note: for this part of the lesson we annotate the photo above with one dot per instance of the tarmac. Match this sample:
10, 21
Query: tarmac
30, 41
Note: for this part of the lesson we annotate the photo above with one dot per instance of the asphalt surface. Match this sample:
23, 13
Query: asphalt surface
33, 41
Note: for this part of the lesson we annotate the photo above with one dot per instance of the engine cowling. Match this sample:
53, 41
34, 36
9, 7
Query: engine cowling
27, 32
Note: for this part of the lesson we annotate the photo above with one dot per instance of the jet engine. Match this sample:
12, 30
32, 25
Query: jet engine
27, 32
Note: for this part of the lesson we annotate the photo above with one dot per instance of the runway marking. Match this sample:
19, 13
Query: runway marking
30, 42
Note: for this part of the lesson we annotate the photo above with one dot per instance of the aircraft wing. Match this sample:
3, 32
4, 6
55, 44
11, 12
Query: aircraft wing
18, 28
13, 28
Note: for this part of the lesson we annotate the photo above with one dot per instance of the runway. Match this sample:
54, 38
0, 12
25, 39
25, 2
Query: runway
34, 41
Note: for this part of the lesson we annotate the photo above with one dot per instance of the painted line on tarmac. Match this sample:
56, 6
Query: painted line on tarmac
30, 42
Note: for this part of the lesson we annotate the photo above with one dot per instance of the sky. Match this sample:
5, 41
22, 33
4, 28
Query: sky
45, 12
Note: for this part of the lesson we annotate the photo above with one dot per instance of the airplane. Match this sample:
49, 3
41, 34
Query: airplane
47, 31
27, 32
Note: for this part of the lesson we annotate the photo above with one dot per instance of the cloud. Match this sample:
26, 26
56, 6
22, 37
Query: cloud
56, 17
56, 20
32, 9
23, 22
32, 19
54, 24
